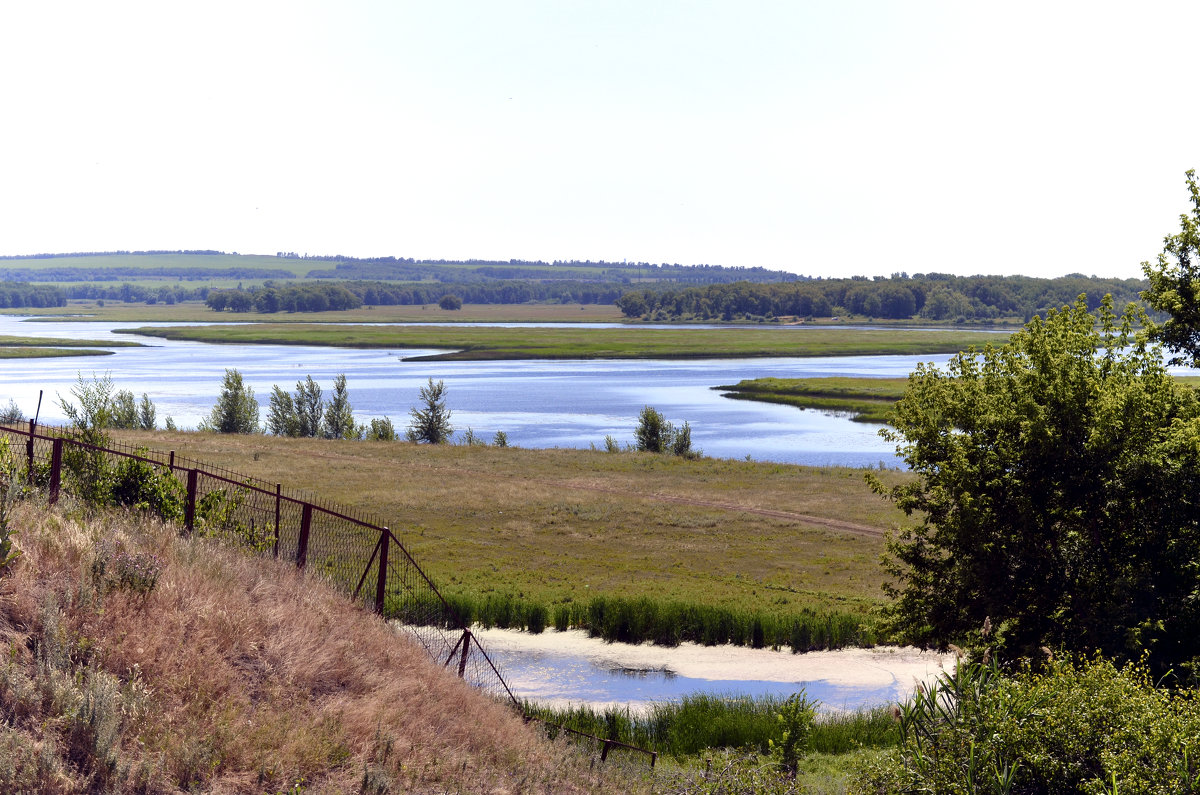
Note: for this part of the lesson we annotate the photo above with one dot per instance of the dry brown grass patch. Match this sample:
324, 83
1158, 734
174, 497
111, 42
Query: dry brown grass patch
255, 677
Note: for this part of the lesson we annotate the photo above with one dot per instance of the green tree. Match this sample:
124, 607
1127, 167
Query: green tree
281, 414
309, 408
1175, 285
1056, 489
654, 434
338, 422
450, 302
124, 410
431, 422
236, 410
381, 430
147, 414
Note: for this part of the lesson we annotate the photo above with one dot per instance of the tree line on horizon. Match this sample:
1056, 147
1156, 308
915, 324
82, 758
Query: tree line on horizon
933, 296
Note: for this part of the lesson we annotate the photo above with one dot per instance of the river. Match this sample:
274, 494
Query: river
537, 403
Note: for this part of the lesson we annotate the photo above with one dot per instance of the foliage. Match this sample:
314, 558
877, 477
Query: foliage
10, 490
654, 434
338, 421
282, 419
309, 408
140, 485
1076, 726
129, 413
1175, 285
11, 414
795, 717
86, 468
1056, 489
450, 302
381, 430
500, 439
431, 423
236, 410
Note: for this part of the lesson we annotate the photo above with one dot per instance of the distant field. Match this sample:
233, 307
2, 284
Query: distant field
557, 525
568, 343
196, 311
173, 261
868, 399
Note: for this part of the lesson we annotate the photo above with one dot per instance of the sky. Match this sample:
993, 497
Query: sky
824, 138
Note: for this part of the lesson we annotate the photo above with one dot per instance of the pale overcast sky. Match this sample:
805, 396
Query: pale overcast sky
826, 138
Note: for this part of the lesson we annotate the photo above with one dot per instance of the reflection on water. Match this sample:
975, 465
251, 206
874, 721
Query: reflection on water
558, 677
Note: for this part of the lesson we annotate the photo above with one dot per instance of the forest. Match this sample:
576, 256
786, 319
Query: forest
933, 296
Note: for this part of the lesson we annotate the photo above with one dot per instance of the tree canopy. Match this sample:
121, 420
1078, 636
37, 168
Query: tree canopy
1175, 285
1056, 495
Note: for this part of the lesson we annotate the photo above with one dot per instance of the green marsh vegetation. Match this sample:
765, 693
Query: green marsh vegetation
867, 399
471, 343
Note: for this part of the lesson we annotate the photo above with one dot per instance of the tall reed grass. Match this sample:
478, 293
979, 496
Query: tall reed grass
703, 721
665, 623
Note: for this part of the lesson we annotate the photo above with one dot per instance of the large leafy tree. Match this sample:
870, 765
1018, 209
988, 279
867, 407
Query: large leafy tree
1056, 488
1175, 285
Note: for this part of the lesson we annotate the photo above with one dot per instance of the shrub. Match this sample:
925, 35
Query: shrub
1087, 727
140, 485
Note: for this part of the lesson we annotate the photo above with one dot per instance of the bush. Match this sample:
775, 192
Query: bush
1087, 727
140, 485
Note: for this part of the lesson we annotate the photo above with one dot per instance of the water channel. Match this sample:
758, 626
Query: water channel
539, 404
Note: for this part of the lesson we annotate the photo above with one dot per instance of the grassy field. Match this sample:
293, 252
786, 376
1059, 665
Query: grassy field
487, 343
196, 311
44, 347
562, 525
868, 399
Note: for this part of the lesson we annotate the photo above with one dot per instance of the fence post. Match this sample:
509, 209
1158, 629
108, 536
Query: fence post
189, 510
171, 463
29, 447
302, 544
278, 491
55, 469
385, 541
466, 647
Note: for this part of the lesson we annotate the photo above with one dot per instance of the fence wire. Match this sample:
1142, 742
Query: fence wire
342, 545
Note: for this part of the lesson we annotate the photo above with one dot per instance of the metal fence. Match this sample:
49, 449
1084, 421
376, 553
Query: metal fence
355, 553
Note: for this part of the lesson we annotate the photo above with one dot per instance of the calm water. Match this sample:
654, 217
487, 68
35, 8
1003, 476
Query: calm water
537, 403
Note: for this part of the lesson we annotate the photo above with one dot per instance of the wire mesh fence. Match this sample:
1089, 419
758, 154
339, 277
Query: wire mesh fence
355, 553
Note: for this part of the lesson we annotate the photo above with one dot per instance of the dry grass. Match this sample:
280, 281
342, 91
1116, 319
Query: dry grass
232, 675
554, 525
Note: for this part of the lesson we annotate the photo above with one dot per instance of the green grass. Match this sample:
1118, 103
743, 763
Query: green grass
561, 527
570, 343
13, 342
701, 722
47, 347
867, 399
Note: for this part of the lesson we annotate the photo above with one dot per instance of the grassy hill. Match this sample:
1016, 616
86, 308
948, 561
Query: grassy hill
192, 667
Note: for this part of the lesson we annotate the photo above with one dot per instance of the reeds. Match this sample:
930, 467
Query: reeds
665, 623
705, 721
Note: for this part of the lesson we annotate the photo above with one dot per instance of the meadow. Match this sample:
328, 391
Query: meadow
866, 399
488, 343
561, 528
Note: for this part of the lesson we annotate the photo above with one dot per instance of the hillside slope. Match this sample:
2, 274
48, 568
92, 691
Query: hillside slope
193, 667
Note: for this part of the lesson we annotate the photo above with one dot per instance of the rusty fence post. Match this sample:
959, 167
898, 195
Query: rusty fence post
466, 647
302, 544
56, 470
278, 492
189, 510
385, 541
29, 448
